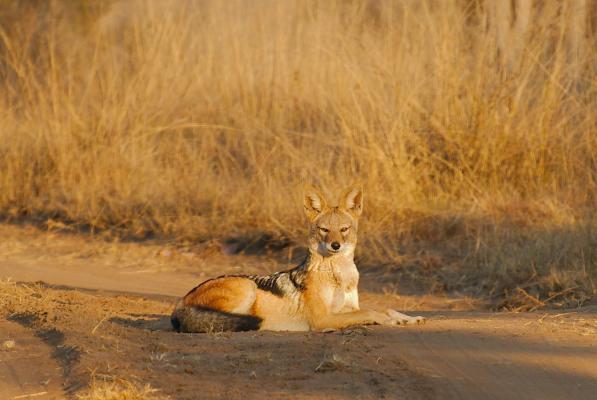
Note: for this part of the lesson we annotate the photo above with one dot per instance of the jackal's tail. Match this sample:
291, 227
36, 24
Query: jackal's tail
198, 319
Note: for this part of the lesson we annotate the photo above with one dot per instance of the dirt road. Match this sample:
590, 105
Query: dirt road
102, 316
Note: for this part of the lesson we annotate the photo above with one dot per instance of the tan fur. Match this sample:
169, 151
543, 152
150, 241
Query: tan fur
321, 293
234, 294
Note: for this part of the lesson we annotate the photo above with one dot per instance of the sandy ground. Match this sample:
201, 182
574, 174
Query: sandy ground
102, 311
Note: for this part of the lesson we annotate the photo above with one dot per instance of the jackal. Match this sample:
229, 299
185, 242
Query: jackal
319, 294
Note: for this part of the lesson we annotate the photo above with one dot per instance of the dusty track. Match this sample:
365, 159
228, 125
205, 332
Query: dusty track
104, 310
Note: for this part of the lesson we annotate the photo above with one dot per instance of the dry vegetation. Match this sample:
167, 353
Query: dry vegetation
189, 120
119, 389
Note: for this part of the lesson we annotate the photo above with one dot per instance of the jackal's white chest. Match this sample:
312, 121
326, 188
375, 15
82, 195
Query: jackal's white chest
346, 295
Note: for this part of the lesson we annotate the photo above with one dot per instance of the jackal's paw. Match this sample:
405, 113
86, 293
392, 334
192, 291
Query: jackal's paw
403, 319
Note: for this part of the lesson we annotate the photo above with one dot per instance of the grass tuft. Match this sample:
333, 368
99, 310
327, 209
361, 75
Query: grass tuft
119, 389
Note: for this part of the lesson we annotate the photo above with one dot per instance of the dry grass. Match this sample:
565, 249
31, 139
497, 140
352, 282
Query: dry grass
192, 120
119, 389
331, 363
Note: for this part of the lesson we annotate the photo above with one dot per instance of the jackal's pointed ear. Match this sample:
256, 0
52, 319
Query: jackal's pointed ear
313, 202
352, 200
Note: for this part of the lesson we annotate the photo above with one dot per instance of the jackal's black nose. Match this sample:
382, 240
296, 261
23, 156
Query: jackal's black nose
335, 245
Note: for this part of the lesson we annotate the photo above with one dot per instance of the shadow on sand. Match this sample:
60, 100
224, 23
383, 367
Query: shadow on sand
152, 322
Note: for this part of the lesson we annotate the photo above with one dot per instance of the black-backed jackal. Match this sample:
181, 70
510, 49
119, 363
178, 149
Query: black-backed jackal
321, 293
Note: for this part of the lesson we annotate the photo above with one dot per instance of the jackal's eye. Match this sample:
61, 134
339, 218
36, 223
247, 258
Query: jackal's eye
323, 230
344, 229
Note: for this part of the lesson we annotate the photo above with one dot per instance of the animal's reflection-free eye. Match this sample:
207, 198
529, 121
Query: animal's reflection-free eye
345, 229
324, 230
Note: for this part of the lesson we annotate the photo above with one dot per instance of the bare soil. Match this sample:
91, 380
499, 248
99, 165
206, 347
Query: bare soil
102, 313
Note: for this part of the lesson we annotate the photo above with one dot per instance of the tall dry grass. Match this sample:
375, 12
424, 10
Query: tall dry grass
201, 119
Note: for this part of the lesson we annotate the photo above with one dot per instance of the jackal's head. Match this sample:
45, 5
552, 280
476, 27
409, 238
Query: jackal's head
333, 230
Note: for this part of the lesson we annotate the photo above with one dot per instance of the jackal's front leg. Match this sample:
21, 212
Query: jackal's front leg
344, 320
403, 319
364, 317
